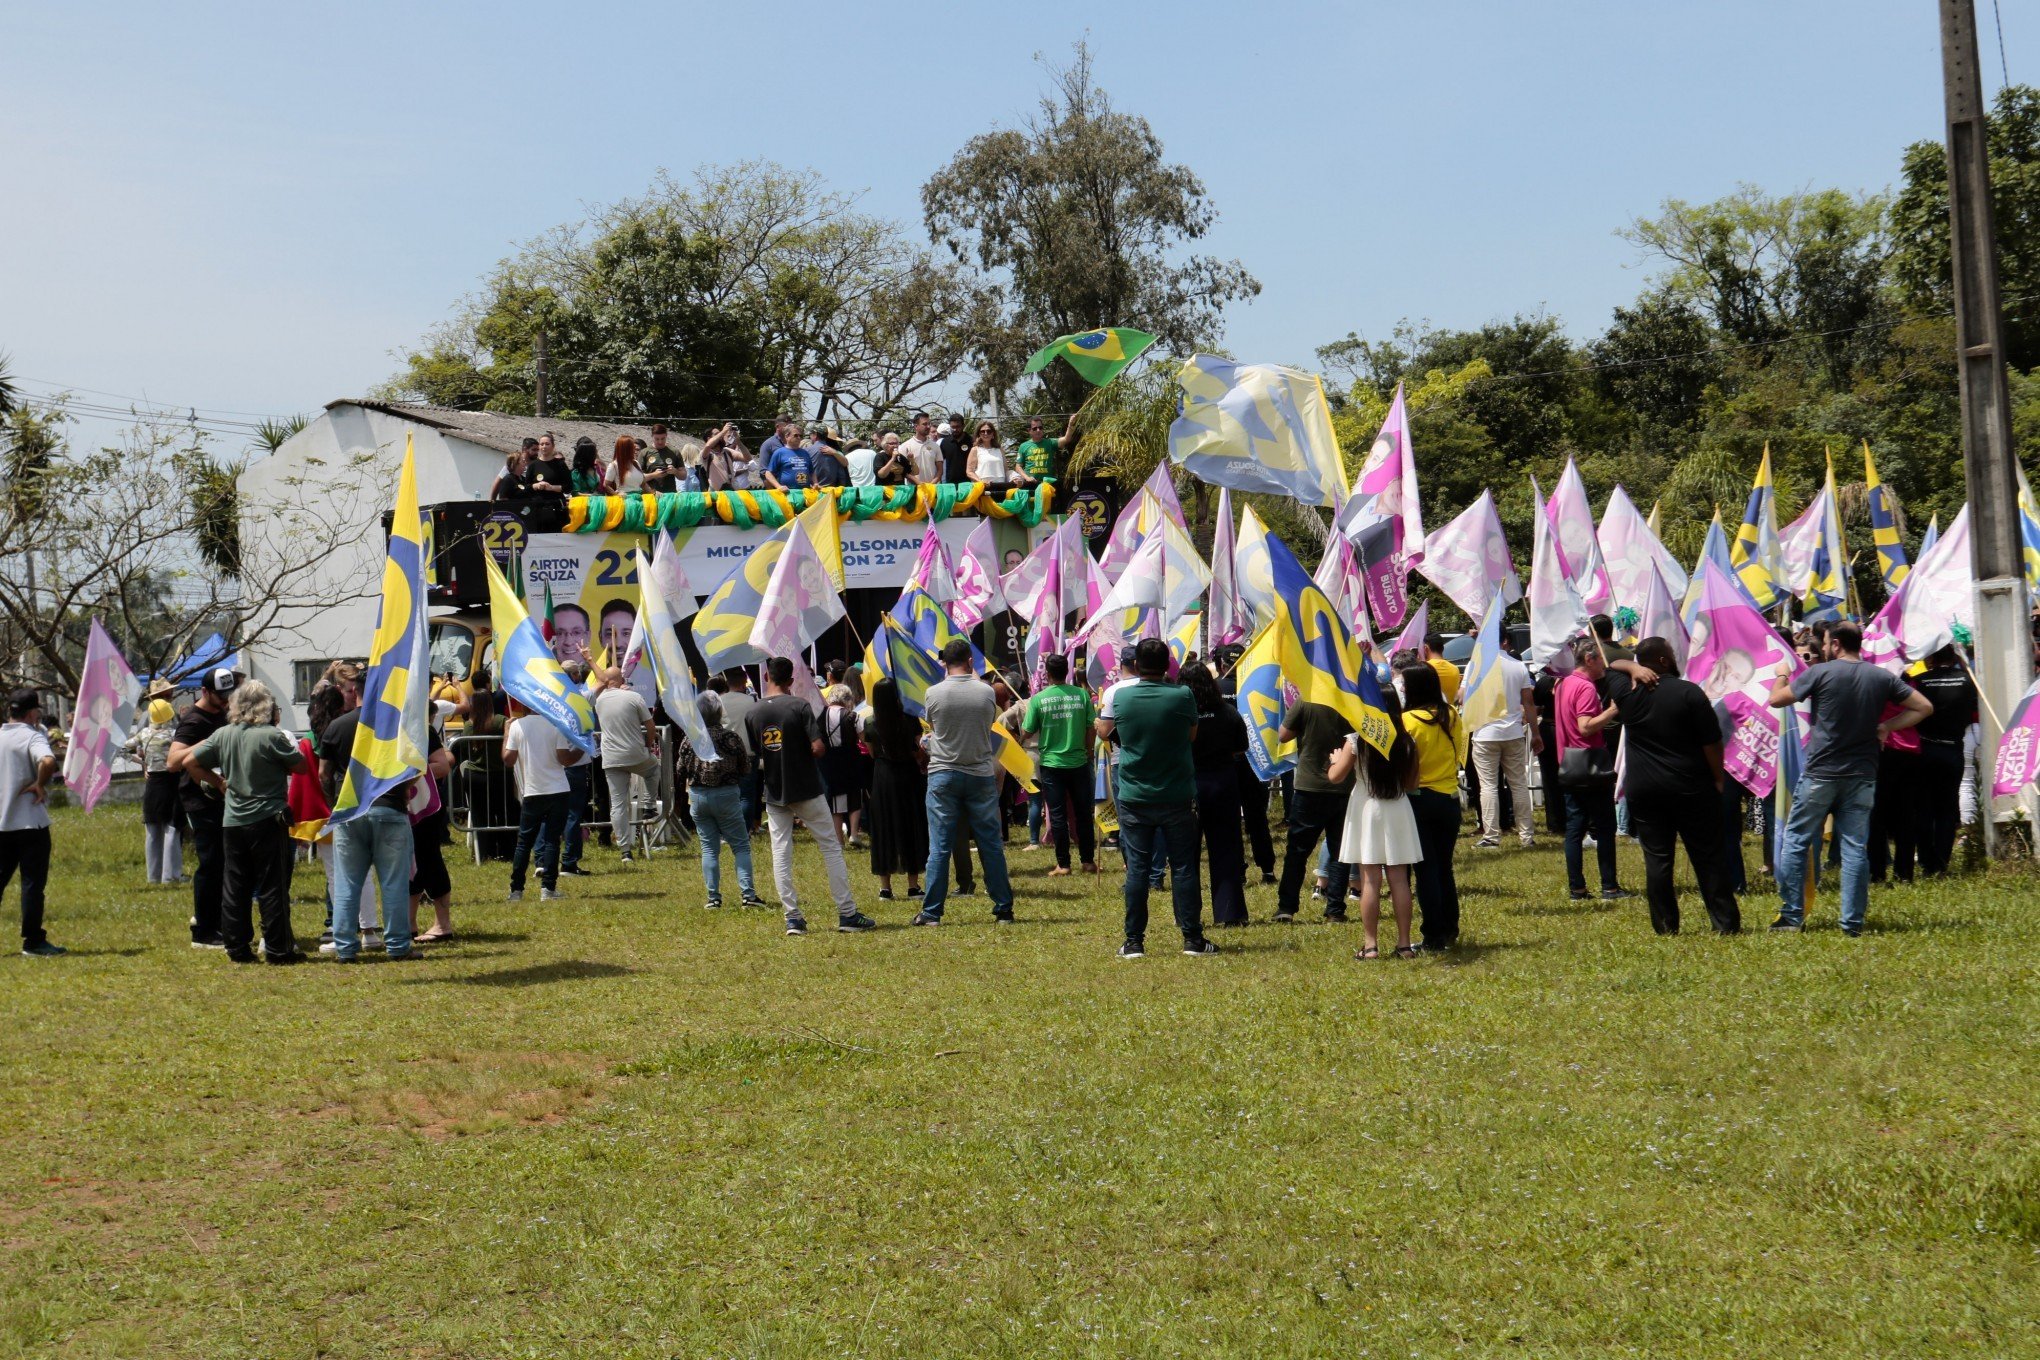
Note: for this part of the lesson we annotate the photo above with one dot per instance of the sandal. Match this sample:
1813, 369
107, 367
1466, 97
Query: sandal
432, 937
1405, 951
1370, 952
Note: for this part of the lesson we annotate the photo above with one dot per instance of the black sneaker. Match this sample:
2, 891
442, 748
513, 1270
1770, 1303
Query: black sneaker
209, 942
626, 858
240, 956
885, 894
1202, 949
913, 892
1003, 917
1284, 917
966, 890
796, 925
853, 923
924, 918
407, 956
1616, 894
576, 870
1580, 895
1132, 950
44, 950
752, 900
294, 956
1784, 927
1267, 879
1853, 932
714, 902
1336, 918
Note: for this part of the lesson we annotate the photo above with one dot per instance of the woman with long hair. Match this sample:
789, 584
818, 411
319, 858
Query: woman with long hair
623, 475
1440, 738
898, 819
586, 477
1221, 739
1381, 828
988, 462
715, 795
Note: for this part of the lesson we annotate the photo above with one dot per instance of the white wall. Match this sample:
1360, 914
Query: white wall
447, 469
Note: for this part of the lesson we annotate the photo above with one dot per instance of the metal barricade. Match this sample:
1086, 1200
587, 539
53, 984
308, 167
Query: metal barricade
484, 807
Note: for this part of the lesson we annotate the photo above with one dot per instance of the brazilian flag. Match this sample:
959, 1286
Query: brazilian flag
1098, 356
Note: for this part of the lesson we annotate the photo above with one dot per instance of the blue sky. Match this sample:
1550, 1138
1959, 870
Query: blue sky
248, 208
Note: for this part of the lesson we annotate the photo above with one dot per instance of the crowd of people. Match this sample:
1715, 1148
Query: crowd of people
795, 456
1152, 764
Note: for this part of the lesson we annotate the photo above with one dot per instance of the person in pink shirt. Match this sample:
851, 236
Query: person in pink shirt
1586, 770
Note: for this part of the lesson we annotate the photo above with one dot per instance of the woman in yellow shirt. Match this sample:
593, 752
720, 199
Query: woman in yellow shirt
1440, 737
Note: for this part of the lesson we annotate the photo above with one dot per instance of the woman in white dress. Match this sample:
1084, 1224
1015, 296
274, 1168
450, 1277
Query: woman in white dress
1381, 830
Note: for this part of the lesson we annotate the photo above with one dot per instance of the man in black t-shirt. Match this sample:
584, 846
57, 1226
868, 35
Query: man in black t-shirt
1672, 776
955, 452
788, 743
202, 793
1938, 800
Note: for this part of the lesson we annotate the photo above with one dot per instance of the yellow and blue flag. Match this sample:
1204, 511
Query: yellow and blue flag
527, 669
1264, 701
1257, 427
1316, 651
929, 626
390, 742
1891, 558
2029, 533
1827, 586
1757, 558
722, 626
1482, 697
1182, 639
892, 655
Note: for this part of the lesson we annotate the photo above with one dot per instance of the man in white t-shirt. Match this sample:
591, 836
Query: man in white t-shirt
1502, 750
923, 452
537, 756
630, 750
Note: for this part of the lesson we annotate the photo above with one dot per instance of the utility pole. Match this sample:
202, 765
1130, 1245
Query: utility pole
538, 370
2004, 652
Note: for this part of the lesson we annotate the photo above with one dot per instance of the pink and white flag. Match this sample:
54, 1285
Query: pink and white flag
1469, 559
1412, 636
1557, 614
1165, 576
1156, 501
1338, 575
1572, 515
1227, 618
107, 694
800, 602
2018, 753
1659, 617
1735, 656
1026, 589
978, 593
1632, 554
1384, 518
933, 572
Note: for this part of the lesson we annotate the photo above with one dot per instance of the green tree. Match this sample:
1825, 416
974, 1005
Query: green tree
1075, 220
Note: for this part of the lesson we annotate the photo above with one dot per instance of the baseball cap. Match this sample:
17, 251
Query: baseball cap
221, 680
21, 701
1127, 654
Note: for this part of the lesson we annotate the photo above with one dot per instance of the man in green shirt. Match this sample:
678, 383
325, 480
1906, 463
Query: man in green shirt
1062, 714
253, 759
1041, 457
1155, 723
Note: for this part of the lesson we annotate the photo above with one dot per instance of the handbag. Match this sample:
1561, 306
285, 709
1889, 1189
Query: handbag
1587, 769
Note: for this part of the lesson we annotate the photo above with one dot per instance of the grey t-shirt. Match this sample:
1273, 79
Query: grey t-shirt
622, 713
1849, 699
736, 709
960, 712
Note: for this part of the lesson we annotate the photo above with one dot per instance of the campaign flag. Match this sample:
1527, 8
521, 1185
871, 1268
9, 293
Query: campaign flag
1182, 637
1798, 542
107, 694
1828, 575
1156, 501
1375, 726
1939, 593
1316, 650
978, 595
1735, 655
1469, 558
1758, 555
1031, 591
2018, 753
1257, 427
800, 602
661, 583
893, 655
1557, 614
1384, 519
1579, 547
2029, 532
1013, 757
802, 685
1165, 575
396, 695
1338, 576
1264, 700
1229, 619
527, 669
933, 571
1633, 554
930, 628
1656, 526
825, 531
722, 626
1483, 698
1659, 617
1255, 575
1884, 531
1096, 356
1411, 639
1933, 535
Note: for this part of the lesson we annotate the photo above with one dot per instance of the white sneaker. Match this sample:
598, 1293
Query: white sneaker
549, 894
329, 948
516, 895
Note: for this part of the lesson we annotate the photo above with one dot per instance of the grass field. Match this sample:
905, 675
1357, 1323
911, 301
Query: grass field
623, 1126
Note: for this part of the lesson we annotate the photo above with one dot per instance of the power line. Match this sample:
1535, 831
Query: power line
2004, 62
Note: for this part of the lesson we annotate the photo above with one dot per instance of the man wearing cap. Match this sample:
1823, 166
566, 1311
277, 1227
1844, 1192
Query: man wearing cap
203, 795
26, 767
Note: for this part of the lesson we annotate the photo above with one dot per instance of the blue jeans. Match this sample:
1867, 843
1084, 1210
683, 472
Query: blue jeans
580, 783
543, 816
752, 786
1589, 810
379, 840
1159, 865
1146, 832
1851, 801
719, 817
956, 799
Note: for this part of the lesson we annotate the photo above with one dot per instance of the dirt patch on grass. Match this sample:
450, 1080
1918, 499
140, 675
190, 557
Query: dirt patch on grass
463, 1095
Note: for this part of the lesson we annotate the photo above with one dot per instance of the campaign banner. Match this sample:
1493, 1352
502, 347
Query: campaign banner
1751, 757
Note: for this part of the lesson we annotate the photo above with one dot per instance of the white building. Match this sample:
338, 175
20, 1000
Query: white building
457, 455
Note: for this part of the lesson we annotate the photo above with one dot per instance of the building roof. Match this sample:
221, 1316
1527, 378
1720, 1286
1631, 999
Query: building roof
507, 433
